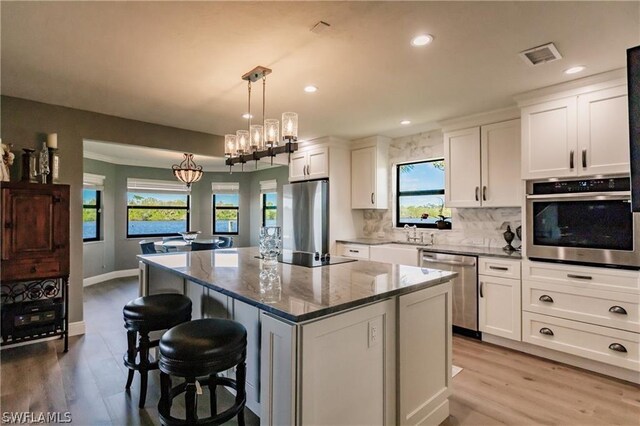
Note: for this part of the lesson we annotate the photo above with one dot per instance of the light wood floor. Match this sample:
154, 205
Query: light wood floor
497, 385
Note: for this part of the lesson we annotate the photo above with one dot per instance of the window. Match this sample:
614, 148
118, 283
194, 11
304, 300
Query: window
420, 194
226, 202
93, 185
91, 214
156, 208
269, 197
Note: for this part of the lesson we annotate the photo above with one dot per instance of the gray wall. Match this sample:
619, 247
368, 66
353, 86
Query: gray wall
117, 252
25, 125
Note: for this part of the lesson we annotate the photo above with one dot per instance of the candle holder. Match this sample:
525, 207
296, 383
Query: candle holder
29, 166
43, 163
54, 165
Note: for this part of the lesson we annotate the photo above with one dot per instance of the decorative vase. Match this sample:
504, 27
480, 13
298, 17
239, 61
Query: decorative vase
270, 243
508, 237
519, 234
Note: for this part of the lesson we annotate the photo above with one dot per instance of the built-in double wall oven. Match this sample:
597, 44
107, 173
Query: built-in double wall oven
587, 221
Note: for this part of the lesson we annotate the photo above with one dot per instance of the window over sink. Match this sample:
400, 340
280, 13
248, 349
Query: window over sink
420, 195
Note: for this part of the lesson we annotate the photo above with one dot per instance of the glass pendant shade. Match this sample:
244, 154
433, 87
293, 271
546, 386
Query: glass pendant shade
271, 132
242, 141
290, 125
256, 132
229, 145
187, 171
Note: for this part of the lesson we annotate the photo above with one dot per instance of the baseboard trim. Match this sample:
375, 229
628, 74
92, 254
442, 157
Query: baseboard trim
75, 329
570, 359
109, 276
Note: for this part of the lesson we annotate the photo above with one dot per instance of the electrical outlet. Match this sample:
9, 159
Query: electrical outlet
374, 331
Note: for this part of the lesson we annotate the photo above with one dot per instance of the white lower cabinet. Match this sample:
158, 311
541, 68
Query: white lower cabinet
386, 363
356, 251
499, 300
607, 345
399, 254
584, 311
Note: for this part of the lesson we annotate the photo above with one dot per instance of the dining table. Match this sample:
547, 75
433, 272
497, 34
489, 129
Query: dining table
181, 245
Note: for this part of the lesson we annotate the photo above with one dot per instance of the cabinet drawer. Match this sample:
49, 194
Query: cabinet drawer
582, 276
615, 347
606, 308
17, 270
499, 268
354, 250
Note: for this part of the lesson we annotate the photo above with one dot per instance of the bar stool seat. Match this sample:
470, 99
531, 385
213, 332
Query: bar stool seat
202, 348
142, 316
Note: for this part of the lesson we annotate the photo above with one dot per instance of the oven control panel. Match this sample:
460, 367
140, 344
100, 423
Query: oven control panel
585, 185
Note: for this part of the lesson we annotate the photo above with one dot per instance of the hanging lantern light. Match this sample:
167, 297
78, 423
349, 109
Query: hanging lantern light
187, 171
242, 142
290, 126
256, 133
271, 132
229, 145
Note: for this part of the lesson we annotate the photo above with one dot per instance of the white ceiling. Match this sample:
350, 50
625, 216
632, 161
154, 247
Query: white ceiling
179, 63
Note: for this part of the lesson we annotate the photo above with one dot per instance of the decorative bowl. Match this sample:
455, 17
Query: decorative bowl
189, 236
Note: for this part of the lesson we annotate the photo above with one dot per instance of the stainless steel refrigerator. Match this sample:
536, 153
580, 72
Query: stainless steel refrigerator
305, 222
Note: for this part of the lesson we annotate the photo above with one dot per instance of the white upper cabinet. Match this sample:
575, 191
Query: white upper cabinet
483, 166
310, 163
500, 154
369, 171
549, 139
462, 168
579, 135
603, 131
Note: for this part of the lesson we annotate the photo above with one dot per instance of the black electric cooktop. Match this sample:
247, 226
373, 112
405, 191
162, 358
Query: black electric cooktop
310, 260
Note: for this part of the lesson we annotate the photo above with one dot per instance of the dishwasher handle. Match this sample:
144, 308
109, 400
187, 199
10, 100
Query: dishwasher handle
427, 259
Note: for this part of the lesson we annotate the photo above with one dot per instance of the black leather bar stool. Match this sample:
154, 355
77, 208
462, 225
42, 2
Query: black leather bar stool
202, 348
142, 316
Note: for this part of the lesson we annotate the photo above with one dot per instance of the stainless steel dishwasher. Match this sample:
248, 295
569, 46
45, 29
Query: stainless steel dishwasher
465, 287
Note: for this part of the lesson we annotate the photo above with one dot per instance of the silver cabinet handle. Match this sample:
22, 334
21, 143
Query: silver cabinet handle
571, 153
481, 288
477, 191
580, 277
546, 331
484, 193
584, 158
372, 198
498, 268
308, 169
618, 310
545, 298
617, 347
354, 251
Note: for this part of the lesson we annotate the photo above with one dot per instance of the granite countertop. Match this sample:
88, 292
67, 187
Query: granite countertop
304, 293
441, 248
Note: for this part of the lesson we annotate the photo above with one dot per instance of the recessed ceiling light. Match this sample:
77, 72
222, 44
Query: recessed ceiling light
574, 70
247, 115
405, 122
310, 89
422, 40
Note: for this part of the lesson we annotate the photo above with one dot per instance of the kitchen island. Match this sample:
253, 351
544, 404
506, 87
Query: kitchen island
351, 343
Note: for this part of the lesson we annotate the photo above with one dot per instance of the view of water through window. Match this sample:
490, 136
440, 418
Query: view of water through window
421, 194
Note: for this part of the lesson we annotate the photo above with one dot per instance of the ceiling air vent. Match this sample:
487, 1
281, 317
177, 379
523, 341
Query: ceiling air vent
541, 54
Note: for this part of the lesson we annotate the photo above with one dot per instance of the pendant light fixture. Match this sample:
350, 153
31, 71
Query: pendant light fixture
187, 171
261, 140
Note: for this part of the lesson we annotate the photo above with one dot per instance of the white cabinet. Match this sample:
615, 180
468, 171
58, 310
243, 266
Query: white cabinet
578, 135
356, 251
499, 306
309, 163
369, 177
482, 166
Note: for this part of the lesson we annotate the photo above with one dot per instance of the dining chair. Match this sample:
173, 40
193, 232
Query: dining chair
225, 242
147, 247
196, 246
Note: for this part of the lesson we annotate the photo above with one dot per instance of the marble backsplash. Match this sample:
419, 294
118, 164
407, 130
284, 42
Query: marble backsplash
470, 226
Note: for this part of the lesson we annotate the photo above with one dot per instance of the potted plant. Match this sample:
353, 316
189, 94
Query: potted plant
442, 223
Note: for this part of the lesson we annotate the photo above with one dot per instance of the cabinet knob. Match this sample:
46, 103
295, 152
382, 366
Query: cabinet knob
617, 347
618, 310
33, 270
546, 331
545, 298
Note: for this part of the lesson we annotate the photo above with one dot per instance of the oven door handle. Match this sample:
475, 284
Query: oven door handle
614, 195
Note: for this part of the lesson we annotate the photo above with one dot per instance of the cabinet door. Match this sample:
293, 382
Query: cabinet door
462, 168
500, 152
35, 241
499, 307
549, 139
603, 132
363, 178
318, 163
298, 166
